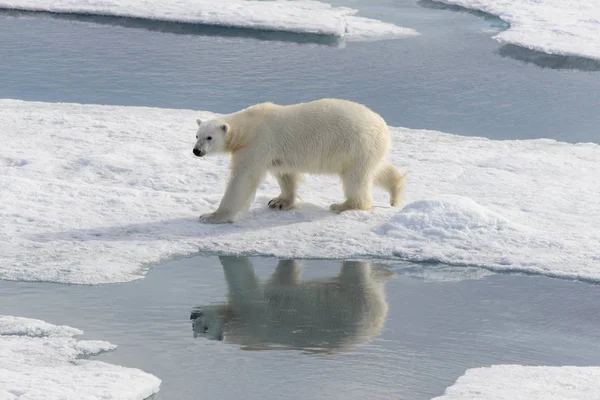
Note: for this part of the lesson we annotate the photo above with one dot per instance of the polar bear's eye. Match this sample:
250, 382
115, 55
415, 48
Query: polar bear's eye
196, 136
209, 138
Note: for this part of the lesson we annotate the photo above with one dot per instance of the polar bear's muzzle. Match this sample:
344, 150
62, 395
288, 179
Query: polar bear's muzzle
199, 153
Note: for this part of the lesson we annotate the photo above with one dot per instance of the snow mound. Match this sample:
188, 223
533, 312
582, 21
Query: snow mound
562, 27
449, 217
513, 382
446, 228
300, 16
43, 361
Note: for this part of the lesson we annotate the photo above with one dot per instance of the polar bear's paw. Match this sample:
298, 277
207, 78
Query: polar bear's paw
282, 204
338, 207
215, 218
349, 205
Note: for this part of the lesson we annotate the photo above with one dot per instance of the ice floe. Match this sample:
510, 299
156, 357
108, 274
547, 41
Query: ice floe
42, 361
301, 16
512, 382
95, 194
562, 27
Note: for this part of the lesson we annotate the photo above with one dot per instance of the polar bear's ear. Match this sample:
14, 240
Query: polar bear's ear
199, 121
225, 128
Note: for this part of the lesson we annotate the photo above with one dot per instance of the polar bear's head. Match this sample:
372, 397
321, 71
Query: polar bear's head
211, 137
209, 321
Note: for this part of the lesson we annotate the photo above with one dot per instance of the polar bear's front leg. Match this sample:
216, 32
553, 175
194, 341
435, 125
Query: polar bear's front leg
215, 218
242, 282
240, 191
288, 182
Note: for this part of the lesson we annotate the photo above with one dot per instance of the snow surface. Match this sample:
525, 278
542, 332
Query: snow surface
518, 382
300, 16
564, 27
42, 361
95, 194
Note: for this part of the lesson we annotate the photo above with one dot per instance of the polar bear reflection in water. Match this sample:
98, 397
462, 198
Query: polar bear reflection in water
320, 315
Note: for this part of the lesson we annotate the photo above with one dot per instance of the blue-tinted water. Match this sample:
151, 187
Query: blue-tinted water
439, 322
452, 78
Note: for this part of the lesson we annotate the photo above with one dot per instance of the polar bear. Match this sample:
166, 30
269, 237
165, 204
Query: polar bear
327, 136
322, 315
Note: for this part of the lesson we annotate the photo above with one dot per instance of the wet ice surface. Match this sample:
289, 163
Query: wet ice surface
440, 321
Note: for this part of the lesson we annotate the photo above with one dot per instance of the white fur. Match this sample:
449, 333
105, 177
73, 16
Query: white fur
326, 136
330, 314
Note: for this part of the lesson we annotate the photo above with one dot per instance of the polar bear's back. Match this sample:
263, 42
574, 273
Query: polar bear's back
313, 314
326, 135
332, 121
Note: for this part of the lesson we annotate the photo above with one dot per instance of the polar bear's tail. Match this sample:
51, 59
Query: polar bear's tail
389, 178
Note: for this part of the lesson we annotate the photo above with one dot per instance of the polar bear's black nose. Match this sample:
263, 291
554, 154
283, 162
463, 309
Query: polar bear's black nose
197, 153
196, 314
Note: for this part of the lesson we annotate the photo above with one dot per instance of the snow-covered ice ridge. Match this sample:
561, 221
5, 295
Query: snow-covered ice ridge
42, 361
300, 16
94, 194
513, 382
562, 27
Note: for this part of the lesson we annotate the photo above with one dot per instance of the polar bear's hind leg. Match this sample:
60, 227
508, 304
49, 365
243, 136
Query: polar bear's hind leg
358, 185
